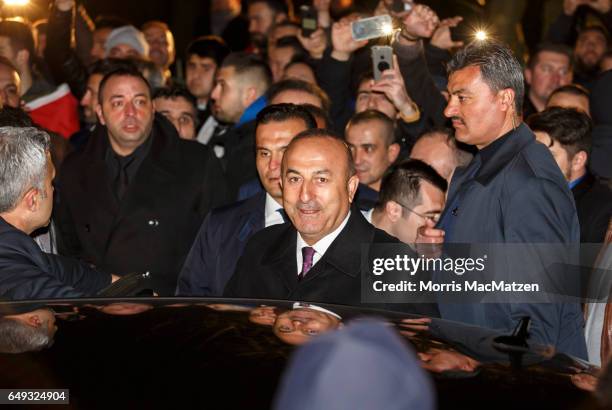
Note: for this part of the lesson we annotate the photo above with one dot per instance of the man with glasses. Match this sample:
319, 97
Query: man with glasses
411, 194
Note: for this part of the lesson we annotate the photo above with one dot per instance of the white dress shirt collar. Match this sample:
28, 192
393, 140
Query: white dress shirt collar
321, 246
272, 216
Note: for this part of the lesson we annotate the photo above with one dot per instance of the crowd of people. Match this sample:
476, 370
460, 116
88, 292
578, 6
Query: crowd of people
263, 173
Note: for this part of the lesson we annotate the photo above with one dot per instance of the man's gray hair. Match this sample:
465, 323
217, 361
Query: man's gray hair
23, 163
17, 337
498, 66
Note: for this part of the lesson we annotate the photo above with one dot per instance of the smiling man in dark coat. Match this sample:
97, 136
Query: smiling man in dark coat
318, 257
133, 200
226, 230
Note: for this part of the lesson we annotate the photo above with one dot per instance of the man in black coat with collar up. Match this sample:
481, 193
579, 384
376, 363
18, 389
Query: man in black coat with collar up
133, 200
316, 258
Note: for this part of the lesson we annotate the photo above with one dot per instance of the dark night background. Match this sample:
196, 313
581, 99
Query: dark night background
189, 18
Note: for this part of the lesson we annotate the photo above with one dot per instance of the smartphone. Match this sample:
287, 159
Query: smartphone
382, 59
399, 6
372, 27
308, 16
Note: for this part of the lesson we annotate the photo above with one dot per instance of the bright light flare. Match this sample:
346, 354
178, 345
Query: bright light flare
387, 29
481, 35
16, 2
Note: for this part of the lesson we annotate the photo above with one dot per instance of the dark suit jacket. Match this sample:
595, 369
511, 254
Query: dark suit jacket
153, 227
250, 189
220, 242
366, 198
26, 272
518, 196
268, 270
594, 206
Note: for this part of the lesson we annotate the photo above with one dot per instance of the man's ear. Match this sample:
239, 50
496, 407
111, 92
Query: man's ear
99, 114
579, 161
31, 199
528, 75
393, 152
250, 95
353, 184
22, 59
507, 99
393, 211
33, 320
279, 18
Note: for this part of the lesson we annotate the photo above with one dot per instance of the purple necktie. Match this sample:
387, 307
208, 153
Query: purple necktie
307, 256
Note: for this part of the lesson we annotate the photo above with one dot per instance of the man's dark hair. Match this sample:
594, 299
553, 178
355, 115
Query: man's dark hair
292, 84
212, 47
566, 126
318, 113
20, 36
462, 153
175, 91
402, 183
285, 112
126, 71
301, 59
278, 6
573, 89
107, 65
327, 133
299, 52
287, 23
246, 63
14, 117
367, 75
155, 23
551, 48
598, 28
498, 66
374, 115
111, 22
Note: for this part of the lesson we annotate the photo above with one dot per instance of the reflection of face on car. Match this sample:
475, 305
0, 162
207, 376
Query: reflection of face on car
125, 309
297, 326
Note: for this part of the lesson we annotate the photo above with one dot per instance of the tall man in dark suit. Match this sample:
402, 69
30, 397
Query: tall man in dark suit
226, 230
316, 258
26, 201
133, 200
511, 192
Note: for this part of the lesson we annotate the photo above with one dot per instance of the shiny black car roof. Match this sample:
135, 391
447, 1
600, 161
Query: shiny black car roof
210, 353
